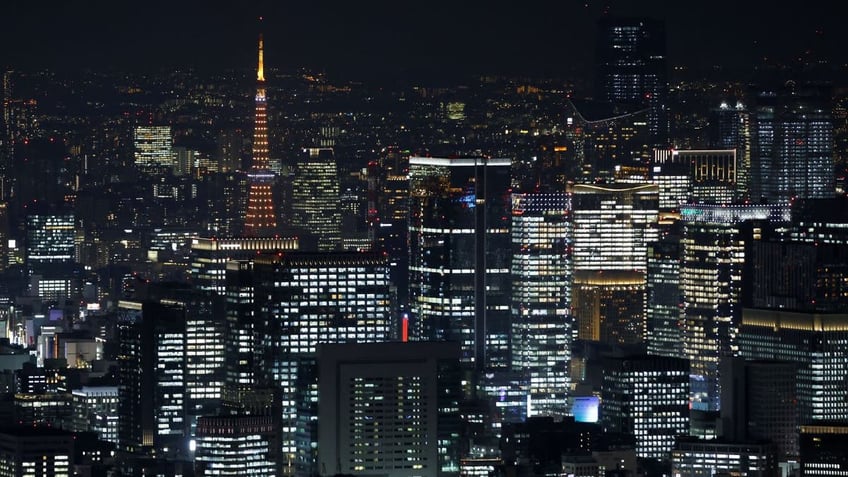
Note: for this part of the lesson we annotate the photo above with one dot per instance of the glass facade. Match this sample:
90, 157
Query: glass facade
631, 68
541, 300
793, 143
302, 299
713, 257
663, 302
315, 198
611, 227
647, 397
459, 255
817, 343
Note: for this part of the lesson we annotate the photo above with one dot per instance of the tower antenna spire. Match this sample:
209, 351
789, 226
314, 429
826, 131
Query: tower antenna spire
260, 72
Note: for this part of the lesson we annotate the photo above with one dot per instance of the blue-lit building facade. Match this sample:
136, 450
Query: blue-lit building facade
792, 143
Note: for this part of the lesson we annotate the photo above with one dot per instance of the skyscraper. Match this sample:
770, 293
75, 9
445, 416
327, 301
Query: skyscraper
759, 402
209, 256
663, 302
612, 225
50, 239
391, 192
541, 299
389, 409
793, 143
702, 176
315, 199
235, 446
817, 343
631, 68
730, 128
459, 260
261, 218
302, 299
151, 380
711, 267
647, 397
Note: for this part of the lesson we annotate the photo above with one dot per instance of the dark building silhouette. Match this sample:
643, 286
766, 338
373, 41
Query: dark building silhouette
630, 62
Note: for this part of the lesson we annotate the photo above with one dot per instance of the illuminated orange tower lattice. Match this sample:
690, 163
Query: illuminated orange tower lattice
260, 220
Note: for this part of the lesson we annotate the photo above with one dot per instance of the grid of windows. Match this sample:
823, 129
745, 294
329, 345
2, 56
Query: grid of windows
304, 299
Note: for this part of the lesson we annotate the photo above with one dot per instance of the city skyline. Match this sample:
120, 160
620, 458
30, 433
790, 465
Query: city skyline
369, 266
386, 41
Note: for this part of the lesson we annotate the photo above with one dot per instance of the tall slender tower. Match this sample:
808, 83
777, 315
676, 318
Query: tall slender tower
261, 220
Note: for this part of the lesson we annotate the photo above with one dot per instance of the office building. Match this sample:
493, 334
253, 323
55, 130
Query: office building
804, 266
241, 363
647, 397
815, 343
153, 147
800, 276
459, 261
235, 446
204, 342
630, 62
713, 257
95, 409
541, 298
611, 227
697, 458
261, 216
50, 240
730, 128
301, 299
151, 380
663, 302
45, 409
315, 199
708, 175
209, 256
759, 403
389, 409
390, 194
823, 449
793, 143
26, 451
4, 229
184, 160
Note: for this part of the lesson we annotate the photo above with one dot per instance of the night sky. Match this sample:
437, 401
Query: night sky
372, 39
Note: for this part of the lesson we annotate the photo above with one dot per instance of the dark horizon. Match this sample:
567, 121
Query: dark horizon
401, 41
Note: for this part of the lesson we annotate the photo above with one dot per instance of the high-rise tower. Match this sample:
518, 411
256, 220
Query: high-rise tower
260, 219
631, 68
459, 242
792, 154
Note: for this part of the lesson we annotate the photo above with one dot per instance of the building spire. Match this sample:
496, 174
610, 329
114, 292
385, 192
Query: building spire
260, 72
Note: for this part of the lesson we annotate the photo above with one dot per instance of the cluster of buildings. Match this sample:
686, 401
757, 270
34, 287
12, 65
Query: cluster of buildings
581, 297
